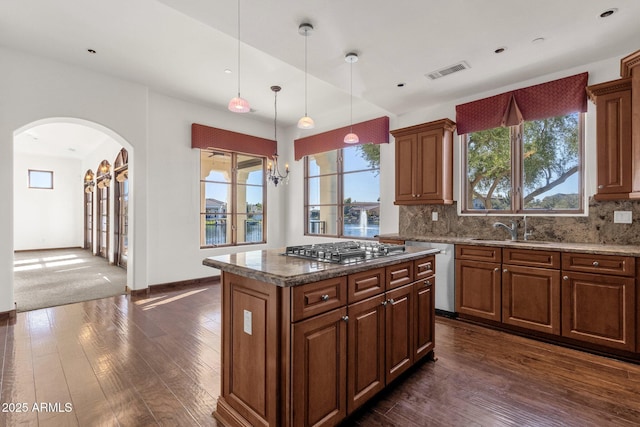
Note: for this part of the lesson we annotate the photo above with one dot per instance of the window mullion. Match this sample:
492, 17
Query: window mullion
234, 200
517, 169
340, 201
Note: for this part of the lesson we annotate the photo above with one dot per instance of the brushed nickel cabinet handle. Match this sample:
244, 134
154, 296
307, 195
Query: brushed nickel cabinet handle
384, 302
565, 278
600, 187
390, 301
496, 269
596, 263
345, 318
324, 297
427, 283
505, 271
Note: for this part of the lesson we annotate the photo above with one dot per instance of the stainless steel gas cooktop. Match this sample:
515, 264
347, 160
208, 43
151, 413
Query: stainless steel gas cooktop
344, 252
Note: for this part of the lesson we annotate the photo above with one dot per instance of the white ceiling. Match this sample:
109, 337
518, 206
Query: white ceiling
182, 47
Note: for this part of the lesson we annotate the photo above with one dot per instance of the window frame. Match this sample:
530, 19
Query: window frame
40, 171
517, 178
340, 204
232, 216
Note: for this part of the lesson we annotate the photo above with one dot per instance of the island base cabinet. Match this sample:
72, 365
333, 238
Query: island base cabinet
599, 309
424, 292
249, 342
319, 369
399, 331
365, 352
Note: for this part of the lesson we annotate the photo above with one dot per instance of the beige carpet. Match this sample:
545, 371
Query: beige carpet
63, 276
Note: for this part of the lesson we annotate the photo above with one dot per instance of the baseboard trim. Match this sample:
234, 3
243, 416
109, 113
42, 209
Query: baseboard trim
8, 315
170, 286
48, 249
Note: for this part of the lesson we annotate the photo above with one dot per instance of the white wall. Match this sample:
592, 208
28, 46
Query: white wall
174, 189
47, 218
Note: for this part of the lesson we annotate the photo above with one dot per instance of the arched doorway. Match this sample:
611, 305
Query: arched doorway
121, 208
73, 148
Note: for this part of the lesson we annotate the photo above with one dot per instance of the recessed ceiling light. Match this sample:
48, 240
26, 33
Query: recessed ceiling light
500, 50
91, 51
71, 149
537, 40
227, 71
607, 13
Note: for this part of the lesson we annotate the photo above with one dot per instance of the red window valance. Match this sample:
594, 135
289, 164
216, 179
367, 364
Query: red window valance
204, 137
551, 99
374, 131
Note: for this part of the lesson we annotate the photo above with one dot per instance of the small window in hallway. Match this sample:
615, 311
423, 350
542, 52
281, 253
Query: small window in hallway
41, 179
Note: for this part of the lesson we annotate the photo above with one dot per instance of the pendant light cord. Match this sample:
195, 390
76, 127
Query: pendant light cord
305, 72
238, 48
351, 98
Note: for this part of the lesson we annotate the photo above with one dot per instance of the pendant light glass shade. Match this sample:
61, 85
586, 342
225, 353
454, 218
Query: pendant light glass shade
305, 122
239, 104
351, 138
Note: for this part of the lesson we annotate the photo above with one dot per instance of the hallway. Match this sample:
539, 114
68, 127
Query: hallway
49, 278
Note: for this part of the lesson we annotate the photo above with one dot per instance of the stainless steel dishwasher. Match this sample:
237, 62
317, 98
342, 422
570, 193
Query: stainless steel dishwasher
445, 275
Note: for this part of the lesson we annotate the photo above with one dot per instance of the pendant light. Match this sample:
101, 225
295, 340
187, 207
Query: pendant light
305, 122
351, 138
239, 104
273, 171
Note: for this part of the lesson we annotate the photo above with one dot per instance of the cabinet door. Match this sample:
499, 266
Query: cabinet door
406, 163
478, 289
319, 369
429, 173
599, 309
399, 331
365, 351
613, 123
531, 298
424, 294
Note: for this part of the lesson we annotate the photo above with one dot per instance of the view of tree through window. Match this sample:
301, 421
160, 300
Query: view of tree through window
343, 192
533, 167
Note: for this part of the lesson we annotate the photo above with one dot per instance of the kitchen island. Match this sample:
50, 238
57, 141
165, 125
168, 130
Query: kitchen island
306, 342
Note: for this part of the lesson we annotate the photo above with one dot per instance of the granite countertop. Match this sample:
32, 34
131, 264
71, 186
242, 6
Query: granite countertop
589, 248
271, 266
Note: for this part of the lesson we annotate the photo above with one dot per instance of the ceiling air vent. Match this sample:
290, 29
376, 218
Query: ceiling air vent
462, 65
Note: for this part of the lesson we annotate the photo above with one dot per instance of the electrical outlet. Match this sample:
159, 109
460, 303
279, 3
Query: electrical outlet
434, 216
622, 217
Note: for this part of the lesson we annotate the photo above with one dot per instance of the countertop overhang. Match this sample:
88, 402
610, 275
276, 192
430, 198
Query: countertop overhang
588, 248
271, 266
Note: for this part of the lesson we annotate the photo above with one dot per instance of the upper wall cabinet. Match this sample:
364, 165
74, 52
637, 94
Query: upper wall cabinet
424, 163
618, 133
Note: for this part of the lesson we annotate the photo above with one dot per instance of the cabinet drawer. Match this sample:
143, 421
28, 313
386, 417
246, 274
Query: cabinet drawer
365, 284
603, 264
318, 297
424, 267
399, 274
391, 241
531, 258
479, 253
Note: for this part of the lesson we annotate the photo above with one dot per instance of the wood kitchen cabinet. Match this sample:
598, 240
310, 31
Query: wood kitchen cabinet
424, 322
424, 163
615, 162
399, 313
531, 289
478, 281
599, 300
319, 369
618, 132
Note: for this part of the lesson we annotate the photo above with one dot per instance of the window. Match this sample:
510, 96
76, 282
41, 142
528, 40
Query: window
342, 192
533, 167
232, 198
40, 179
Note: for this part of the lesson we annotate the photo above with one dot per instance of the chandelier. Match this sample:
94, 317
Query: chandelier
273, 170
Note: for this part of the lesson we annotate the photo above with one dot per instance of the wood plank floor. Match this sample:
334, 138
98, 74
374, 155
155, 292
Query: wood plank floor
156, 361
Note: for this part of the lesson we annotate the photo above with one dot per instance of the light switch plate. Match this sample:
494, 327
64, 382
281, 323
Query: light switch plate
622, 217
434, 216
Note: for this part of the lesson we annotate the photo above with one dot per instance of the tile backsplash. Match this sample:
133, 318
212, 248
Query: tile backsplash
597, 228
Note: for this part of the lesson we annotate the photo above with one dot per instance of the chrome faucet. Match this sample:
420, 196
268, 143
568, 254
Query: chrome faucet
513, 230
527, 233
